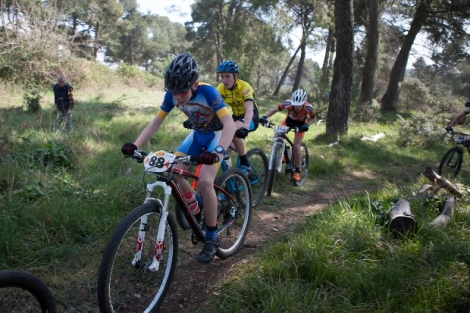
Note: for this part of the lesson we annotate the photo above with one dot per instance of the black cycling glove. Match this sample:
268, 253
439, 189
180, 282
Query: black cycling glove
263, 120
241, 133
188, 124
208, 158
128, 149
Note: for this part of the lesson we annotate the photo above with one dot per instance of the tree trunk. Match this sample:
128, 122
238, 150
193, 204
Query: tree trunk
325, 68
340, 96
368, 72
97, 44
284, 75
300, 67
397, 74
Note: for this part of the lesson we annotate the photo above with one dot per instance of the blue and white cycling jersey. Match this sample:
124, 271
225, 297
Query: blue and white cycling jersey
203, 110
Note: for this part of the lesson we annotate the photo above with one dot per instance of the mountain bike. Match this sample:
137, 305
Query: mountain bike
257, 177
140, 259
282, 153
451, 163
21, 291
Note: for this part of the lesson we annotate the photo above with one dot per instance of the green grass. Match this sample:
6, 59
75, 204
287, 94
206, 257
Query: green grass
343, 260
56, 221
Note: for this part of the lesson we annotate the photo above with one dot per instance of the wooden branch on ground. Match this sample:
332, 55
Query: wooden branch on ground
425, 192
334, 143
441, 182
426, 189
447, 213
374, 137
402, 220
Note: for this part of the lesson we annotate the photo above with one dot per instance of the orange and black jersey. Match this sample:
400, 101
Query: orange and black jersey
302, 115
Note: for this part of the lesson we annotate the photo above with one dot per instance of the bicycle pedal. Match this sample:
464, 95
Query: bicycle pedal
195, 240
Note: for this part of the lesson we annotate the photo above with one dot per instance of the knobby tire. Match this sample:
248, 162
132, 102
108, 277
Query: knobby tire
260, 172
272, 173
451, 163
304, 168
233, 216
14, 284
123, 287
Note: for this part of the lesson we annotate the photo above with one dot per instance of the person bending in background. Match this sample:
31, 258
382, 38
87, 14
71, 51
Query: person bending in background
240, 96
457, 118
213, 127
300, 114
63, 99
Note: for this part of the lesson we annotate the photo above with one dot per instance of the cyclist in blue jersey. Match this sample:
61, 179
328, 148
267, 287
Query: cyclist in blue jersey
213, 127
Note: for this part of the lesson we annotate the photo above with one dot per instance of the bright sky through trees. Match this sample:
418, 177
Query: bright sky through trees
179, 11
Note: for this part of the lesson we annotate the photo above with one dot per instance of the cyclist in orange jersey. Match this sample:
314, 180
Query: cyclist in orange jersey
300, 114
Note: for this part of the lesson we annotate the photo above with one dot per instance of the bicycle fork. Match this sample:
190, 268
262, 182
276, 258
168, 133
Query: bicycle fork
282, 144
144, 227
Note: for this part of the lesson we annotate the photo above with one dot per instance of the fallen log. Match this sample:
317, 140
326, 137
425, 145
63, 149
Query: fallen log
425, 192
374, 137
441, 182
446, 214
402, 221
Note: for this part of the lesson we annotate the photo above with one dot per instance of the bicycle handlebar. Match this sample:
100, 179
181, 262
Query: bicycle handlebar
140, 155
269, 124
453, 132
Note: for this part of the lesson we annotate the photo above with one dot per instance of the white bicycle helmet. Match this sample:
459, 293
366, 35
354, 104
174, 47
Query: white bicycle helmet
299, 97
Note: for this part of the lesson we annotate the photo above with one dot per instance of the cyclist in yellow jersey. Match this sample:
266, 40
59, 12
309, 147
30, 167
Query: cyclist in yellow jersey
240, 96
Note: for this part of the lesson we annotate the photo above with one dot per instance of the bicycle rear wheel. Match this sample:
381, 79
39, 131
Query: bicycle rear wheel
451, 163
233, 215
304, 165
272, 172
124, 287
21, 291
259, 174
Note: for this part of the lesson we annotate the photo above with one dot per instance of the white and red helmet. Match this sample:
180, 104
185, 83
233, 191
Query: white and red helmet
299, 97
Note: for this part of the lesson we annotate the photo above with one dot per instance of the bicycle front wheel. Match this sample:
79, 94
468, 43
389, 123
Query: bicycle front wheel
272, 172
259, 174
124, 287
21, 291
233, 215
451, 163
303, 166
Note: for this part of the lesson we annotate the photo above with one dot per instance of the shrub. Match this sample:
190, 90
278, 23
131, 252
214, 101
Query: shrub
32, 100
413, 94
366, 112
53, 154
133, 76
423, 129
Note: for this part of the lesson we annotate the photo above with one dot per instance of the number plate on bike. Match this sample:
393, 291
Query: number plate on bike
461, 138
281, 129
159, 162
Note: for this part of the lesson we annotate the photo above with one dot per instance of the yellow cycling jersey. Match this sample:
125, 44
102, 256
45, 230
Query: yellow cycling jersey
236, 98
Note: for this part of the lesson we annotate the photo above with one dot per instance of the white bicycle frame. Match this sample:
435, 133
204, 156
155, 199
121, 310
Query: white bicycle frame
278, 140
164, 164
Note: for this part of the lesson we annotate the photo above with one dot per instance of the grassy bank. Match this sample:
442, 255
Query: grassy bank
61, 196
